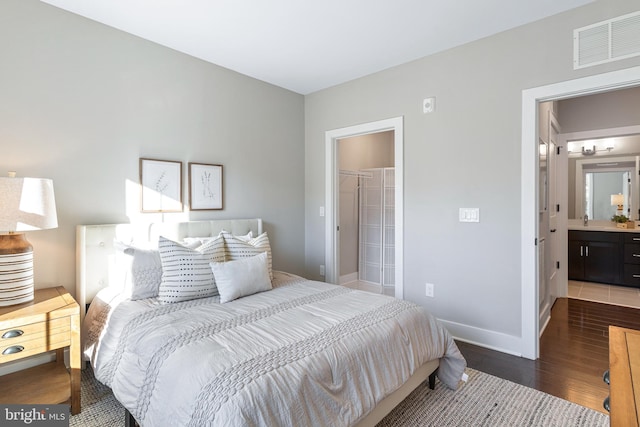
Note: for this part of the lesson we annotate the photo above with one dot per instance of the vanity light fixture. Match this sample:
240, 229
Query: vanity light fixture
25, 204
590, 147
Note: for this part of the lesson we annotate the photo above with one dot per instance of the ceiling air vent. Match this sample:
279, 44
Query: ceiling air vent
607, 41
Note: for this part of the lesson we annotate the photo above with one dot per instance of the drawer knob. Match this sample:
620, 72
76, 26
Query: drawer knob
13, 349
605, 377
12, 333
606, 404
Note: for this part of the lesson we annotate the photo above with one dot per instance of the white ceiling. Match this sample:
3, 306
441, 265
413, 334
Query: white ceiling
306, 45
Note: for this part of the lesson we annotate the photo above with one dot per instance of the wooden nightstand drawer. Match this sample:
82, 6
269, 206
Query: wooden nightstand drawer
37, 330
50, 322
34, 338
28, 347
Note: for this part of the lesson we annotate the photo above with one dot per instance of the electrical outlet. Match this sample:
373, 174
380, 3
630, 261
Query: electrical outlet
429, 289
322, 270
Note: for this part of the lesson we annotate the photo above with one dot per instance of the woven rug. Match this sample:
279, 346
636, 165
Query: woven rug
484, 400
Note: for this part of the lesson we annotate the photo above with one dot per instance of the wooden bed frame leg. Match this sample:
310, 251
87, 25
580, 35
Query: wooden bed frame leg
432, 380
129, 421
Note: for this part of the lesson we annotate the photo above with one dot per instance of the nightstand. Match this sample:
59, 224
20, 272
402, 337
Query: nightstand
50, 322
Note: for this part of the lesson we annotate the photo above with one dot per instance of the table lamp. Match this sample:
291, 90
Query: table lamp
617, 200
25, 204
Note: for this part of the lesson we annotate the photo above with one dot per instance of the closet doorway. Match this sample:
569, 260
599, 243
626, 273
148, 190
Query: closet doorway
366, 212
350, 139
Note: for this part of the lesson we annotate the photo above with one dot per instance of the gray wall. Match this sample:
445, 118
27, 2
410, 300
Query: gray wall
619, 108
613, 109
81, 102
465, 154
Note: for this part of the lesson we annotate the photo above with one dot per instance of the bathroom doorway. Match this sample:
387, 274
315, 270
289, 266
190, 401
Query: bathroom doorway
531, 98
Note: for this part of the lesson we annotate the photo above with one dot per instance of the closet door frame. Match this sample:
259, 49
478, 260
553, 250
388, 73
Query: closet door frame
332, 192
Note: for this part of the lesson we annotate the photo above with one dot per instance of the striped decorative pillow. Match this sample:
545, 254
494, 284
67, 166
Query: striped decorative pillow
186, 273
236, 248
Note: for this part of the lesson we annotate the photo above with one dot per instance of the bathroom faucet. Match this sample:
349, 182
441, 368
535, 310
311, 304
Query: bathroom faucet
585, 220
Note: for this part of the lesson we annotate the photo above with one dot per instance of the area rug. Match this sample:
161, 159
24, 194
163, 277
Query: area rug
484, 400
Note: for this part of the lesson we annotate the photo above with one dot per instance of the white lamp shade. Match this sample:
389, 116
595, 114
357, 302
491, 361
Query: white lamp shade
27, 204
617, 199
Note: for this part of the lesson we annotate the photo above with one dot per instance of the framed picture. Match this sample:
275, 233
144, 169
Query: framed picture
205, 186
161, 185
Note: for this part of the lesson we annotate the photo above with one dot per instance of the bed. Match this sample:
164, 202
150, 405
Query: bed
301, 353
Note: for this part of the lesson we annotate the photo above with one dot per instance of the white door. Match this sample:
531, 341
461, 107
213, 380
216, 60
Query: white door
544, 308
553, 243
549, 207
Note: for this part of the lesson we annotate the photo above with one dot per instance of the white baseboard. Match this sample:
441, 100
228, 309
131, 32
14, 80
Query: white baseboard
546, 323
29, 362
484, 338
348, 278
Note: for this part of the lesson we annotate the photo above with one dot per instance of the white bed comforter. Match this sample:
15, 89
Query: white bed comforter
304, 353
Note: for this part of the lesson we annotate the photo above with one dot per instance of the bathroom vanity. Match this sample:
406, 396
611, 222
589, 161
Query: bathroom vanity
604, 254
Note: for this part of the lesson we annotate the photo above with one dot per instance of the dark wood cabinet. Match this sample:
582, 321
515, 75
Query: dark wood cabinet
596, 256
631, 267
576, 259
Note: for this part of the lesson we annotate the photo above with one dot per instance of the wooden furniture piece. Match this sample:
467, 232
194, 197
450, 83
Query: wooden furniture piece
624, 376
50, 322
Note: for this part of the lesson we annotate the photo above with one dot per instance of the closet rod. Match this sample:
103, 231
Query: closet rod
356, 173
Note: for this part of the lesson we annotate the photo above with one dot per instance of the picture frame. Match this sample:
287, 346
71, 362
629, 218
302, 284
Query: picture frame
205, 186
160, 185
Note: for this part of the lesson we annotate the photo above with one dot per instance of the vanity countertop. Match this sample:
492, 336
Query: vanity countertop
603, 227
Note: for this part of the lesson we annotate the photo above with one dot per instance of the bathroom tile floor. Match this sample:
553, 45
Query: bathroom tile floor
370, 287
608, 294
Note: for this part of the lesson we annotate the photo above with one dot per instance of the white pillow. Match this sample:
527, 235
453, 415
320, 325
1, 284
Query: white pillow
140, 270
186, 273
237, 249
241, 278
197, 241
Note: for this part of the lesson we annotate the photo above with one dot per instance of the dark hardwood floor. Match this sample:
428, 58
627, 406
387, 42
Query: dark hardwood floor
574, 352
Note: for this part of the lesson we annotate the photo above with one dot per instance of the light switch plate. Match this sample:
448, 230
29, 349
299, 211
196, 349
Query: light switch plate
469, 214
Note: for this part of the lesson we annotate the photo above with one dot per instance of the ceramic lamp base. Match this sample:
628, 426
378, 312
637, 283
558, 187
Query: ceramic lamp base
16, 269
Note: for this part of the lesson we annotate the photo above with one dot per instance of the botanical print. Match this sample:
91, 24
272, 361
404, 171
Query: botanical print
205, 186
161, 185
208, 192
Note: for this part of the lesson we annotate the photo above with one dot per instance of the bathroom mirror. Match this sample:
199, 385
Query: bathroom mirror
594, 178
601, 182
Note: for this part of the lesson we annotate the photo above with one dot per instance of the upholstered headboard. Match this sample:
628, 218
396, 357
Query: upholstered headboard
95, 251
